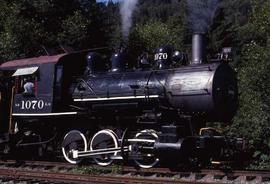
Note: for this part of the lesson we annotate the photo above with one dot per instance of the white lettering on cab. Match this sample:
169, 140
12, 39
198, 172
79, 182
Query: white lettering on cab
32, 104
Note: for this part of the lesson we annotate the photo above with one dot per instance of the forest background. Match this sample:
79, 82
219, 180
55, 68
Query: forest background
29, 26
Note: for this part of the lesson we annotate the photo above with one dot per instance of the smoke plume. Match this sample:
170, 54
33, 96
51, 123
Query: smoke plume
127, 8
201, 13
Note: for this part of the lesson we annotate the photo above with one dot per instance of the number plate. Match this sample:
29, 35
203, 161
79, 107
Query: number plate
42, 104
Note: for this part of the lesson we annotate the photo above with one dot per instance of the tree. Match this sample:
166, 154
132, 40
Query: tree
20, 37
74, 30
253, 119
26, 27
151, 36
226, 29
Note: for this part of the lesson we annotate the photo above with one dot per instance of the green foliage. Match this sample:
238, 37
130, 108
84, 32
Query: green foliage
153, 35
228, 28
261, 162
95, 170
19, 36
74, 29
158, 10
253, 119
261, 19
150, 36
28, 26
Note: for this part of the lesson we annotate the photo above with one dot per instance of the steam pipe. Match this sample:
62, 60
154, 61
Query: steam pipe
198, 49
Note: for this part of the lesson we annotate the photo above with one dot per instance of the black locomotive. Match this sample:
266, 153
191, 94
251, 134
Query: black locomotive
149, 114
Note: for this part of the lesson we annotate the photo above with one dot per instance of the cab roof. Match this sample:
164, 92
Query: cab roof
32, 61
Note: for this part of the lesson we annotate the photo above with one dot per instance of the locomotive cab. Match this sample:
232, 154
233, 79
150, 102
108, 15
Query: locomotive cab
33, 84
41, 84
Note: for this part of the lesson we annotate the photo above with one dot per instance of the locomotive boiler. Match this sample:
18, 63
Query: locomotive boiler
164, 106
148, 114
206, 90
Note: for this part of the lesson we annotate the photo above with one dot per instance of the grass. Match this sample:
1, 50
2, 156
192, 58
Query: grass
97, 170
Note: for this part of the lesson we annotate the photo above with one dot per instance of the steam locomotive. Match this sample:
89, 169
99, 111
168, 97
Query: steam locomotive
155, 113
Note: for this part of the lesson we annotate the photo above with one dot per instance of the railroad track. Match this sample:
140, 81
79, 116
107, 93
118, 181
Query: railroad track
50, 177
57, 172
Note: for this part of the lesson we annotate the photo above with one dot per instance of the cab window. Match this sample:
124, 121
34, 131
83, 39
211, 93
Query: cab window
26, 85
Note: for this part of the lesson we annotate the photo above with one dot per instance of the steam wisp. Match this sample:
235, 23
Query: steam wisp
201, 14
127, 8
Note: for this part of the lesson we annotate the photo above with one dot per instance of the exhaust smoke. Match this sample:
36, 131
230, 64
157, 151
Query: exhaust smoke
127, 8
201, 14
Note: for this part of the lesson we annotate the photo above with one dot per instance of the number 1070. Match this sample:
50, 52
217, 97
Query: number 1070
34, 104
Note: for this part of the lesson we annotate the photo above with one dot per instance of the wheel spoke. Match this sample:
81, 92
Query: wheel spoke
147, 159
73, 140
104, 139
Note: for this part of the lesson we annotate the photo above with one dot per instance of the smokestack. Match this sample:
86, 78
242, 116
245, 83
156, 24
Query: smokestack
198, 49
